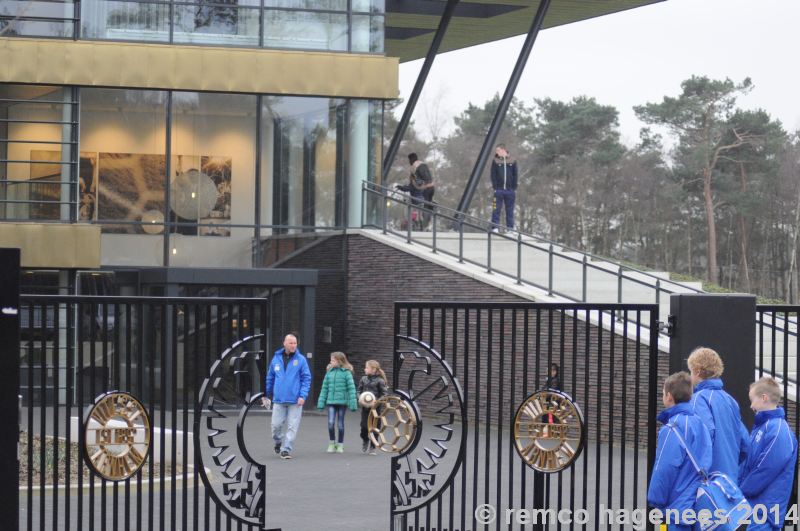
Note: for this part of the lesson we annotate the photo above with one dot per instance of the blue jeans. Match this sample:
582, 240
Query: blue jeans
336, 412
285, 423
507, 198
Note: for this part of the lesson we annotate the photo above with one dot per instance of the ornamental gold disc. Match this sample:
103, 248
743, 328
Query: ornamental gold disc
117, 436
392, 424
548, 431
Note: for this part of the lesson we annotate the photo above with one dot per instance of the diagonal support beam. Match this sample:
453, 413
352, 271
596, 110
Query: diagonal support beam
502, 109
394, 145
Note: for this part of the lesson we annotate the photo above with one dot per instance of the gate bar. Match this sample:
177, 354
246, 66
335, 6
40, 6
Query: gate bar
505, 102
9, 385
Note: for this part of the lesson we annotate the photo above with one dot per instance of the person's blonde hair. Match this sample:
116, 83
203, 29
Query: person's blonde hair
377, 366
342, 360
706, 363
767, 386
679, 385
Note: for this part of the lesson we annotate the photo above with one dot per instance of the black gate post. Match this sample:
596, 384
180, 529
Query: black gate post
725, 323
9, 386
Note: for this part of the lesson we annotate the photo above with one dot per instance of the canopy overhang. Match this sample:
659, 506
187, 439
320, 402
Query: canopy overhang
411, 24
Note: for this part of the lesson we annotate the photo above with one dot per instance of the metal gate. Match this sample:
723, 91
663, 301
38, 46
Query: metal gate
464, 370
160, 350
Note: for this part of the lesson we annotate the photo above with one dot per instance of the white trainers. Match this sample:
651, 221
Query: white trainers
495, 231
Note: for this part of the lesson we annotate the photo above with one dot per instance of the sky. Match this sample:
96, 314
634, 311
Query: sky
628, 59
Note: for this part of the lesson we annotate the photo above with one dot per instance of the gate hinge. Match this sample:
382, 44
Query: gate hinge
667, 328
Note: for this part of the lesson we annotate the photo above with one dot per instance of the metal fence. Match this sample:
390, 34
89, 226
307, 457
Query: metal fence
468, 367
157, 349
558, 270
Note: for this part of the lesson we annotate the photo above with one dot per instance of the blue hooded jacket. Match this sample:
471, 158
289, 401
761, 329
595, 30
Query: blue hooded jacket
675, 479
286, 384
504, 173
720, 413
766, 477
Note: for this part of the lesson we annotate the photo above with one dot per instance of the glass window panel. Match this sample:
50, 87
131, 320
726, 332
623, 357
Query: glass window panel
212, 182
36, 18
302, 162
120, 20
35, 130
306, 30
123, 160
369, 6
321, 5
216, 24
367, 34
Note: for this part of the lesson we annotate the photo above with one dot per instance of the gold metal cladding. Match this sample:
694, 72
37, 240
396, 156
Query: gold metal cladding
51, 245
201, 68
392, 424
117, 436
548, 431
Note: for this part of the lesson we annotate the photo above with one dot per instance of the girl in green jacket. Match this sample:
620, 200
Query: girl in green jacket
338, 393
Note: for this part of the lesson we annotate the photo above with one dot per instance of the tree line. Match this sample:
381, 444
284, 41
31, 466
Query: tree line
710, 190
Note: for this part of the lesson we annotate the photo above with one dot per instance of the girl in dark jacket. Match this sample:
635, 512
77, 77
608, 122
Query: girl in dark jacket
374, 381
338, 393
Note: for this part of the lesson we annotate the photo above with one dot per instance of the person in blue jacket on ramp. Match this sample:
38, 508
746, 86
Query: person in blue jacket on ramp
674, 482
287, 384
766, 477
719, 411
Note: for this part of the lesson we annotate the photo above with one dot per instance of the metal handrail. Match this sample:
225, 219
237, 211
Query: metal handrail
459, 221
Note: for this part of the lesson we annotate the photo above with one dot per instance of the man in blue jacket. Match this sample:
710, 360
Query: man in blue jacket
674, 483
766, 477
719, 412
287, 384
504, 183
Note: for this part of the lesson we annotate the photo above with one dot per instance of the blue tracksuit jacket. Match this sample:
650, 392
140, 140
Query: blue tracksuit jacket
720, 413
286, 384
675, 480
766, 477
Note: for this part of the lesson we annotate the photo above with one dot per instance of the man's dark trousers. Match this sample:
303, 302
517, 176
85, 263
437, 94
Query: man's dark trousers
507, 198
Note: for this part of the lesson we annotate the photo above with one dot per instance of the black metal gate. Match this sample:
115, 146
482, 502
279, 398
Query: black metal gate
466, 368
157, 349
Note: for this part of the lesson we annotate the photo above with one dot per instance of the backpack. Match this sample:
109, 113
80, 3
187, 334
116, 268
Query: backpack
718, 495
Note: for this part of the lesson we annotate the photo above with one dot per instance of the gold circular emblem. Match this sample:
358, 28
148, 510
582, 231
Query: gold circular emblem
116, 436
392, 424
548, 431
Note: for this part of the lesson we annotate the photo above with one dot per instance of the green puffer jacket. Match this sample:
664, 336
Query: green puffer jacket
338, 388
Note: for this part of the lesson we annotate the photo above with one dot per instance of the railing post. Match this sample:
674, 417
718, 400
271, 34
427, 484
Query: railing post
489, 252
619, 285
658, 292
584, 278
460, 241
434, 231
385, 208
519, 258
408, 225
550, 270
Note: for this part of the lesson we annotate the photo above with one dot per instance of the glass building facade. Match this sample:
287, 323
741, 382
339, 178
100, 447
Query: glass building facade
333, 25
184, 178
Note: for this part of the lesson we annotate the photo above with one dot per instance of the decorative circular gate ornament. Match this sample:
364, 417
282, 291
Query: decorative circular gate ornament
117, 436
548, 431
392, 424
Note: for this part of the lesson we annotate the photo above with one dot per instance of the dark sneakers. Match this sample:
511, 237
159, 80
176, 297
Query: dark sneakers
285, 455
365, 446
277, 448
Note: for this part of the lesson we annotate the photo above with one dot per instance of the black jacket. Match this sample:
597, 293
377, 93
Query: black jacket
504, 173
372, 383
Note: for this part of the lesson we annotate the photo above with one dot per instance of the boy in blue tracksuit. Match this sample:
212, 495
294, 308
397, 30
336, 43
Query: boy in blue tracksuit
287, 384
674, 483
766, 477
719, 412
504, 184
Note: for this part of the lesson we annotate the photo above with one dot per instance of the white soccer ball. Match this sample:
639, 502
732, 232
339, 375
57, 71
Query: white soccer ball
367, 399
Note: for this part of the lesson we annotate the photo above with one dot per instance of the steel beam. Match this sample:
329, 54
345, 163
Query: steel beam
502, 109
394, 145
